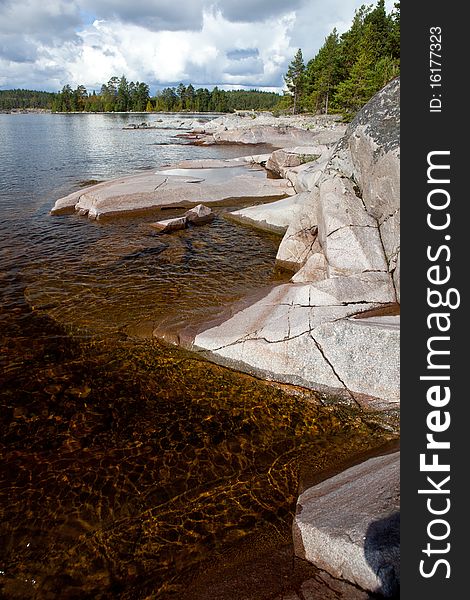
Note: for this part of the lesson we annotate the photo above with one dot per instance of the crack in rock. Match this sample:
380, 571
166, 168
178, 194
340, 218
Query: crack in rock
386, 261
351, 225
389, 216
161, 183
353, 302
320, 349
307, 230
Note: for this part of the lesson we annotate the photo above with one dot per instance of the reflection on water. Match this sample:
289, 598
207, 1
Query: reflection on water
126, 465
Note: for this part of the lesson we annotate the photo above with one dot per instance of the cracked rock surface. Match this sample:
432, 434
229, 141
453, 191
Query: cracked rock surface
153, 190
343, 244
301, 334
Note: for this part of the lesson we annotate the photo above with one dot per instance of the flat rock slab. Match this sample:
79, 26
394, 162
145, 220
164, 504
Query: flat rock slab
349, 525
174, 187
170, 224
304, 334
274, 216
281, 136
282, 131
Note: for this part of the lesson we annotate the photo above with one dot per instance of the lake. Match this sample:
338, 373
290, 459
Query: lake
131, 469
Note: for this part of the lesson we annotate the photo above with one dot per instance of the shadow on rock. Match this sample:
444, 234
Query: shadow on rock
382, 552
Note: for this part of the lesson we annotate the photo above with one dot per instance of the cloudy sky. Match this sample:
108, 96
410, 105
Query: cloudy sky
45, 44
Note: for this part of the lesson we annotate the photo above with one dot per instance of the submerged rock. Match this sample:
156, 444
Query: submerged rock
199, 215
170, 224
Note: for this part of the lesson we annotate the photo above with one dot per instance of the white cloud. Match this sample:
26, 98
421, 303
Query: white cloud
48, 43
203, 57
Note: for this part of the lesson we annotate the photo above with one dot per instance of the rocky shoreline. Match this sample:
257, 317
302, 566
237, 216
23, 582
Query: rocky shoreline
334, 327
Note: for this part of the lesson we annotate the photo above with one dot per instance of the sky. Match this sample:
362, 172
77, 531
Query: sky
45, 44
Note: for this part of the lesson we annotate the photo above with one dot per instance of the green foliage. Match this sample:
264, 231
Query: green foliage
348, 70
120, 95
323, 74
20, 99
305, 158
295, 79
202, 100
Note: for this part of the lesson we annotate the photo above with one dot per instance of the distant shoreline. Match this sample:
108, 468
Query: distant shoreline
22, 111
19, 111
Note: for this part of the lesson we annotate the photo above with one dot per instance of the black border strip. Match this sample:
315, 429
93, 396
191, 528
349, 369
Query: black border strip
434, 119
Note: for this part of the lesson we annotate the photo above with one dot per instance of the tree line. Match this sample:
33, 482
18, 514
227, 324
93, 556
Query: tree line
11, 99
344, 74
119, 95
348, 69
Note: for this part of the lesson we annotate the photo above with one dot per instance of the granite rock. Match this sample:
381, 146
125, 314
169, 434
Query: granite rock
303, 334
272, 216
299, 241
169, 225
151, 191
293, 157
348, 525
199, 215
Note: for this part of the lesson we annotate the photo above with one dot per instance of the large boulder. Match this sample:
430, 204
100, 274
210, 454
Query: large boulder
272, 216
368, 157
304, 177
349, 525
357, 211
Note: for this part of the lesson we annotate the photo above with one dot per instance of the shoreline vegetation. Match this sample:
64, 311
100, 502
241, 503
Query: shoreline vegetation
345, 73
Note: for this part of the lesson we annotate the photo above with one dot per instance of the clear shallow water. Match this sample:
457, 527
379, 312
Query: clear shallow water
127, 465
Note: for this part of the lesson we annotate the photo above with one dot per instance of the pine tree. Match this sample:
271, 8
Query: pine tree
122, 95
181, 93
374, 44
355, 91
190, 96
322, 74
295, 78
140, 97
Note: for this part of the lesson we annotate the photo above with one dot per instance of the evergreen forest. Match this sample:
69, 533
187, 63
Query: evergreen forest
344, 74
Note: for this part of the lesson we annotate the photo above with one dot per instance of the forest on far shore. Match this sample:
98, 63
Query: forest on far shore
344, 74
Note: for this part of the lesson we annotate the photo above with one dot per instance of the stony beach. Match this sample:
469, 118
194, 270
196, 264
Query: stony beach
333, 195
